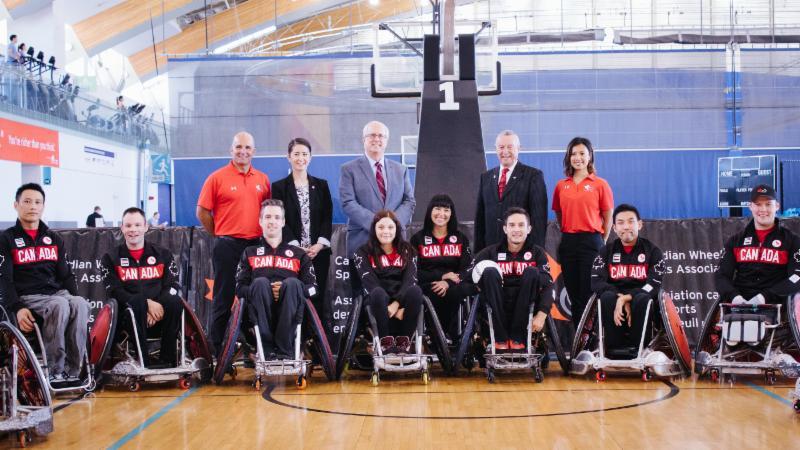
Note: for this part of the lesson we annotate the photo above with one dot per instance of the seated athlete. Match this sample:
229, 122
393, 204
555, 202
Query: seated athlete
144, 277
445, 260
275, 279
760, 264
387, 268
626, 275
524, 279
37, 279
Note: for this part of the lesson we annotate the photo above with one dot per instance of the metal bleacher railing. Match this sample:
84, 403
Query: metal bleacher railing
39, 91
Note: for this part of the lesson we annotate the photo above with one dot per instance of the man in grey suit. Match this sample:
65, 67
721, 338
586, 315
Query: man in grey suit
371, 183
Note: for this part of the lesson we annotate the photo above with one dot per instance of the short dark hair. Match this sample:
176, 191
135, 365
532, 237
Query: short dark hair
270, 202
96, 208
298, 141
134, 210
29, 187
516, 210
12, 37
625, 208
19, 47
576, 141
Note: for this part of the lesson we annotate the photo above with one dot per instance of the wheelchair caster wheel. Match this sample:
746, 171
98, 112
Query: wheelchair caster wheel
770, 378
715, 375
232, 372
538, 375
490, 376
24, 437
257, 384
426, 378
797, 407
301, 382
135, 386
600, 376
376, 379
185, 383
729, 378
647, 375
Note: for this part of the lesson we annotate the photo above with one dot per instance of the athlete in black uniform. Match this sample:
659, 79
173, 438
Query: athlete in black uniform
523, 279
760, 264
626, 275
275, 279
445, 260
144, 277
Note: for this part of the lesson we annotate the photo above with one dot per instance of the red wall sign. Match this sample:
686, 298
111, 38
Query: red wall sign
28, 144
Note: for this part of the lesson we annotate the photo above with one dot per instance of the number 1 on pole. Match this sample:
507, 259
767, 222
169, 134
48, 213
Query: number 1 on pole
449, 103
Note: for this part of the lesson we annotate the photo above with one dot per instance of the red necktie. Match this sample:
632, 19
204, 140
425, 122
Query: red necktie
379, 180
502, 185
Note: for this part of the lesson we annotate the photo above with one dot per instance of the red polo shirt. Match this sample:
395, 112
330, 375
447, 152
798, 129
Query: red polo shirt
234, 198
581, 205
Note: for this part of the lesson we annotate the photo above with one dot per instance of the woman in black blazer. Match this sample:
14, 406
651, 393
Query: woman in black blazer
309, 213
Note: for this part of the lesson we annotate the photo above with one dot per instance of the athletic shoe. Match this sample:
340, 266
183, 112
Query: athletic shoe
388, 345
403, 344
514, 345
501, 345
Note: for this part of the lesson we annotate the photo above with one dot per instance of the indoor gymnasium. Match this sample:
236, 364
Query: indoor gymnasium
400, 224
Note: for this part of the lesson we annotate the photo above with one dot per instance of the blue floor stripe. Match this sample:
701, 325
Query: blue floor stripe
770, 393
132, 434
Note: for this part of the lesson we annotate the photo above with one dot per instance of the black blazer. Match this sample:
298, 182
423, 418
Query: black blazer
321, 208
525, 189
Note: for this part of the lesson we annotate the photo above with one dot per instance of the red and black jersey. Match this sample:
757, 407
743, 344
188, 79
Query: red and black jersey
154, 275
275, 264
394, 273
769, 267
638, 271
436, 257
33, 265
513, 265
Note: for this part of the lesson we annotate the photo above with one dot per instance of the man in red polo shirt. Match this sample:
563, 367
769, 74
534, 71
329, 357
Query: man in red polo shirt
228, 208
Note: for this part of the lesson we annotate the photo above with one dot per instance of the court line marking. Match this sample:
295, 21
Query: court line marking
673, 391
150, 420
69, 402
769, 393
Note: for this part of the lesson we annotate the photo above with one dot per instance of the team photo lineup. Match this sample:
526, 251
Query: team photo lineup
442, 284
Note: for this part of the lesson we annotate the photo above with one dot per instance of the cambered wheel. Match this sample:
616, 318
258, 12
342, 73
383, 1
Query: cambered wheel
376, 379
600, 376
135, 386
301, 382
185, 383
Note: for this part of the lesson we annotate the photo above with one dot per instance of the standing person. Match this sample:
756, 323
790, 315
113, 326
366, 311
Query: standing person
12, 64
95, 219
228, 208
36, 278
144, 277
583, 203
513, 184
309, 213
387, 268
12, 52
445, 261
372, 183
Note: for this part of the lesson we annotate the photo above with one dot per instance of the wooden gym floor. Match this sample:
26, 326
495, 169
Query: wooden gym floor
462, 412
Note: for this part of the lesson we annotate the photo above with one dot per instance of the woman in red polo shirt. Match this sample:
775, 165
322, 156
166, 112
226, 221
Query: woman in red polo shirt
583, 203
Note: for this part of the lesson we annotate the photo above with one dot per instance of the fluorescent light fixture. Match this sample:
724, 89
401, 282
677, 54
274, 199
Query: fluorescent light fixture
374, 2
243, 40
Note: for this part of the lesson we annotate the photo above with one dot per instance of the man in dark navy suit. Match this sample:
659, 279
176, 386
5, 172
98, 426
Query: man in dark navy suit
513, 184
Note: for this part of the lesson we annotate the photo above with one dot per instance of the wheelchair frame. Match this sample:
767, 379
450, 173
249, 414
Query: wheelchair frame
298, 366
515, 361
399, 363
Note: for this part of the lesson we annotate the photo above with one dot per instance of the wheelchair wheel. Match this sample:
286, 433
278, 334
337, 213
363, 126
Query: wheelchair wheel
586, 332
709, 337
225, 356
101, 338
320, 341
552, 335
437, 337
196, 342
348, 337
462, 356
32, 387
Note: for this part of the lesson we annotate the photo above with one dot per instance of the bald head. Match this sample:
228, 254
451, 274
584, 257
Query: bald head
242, 149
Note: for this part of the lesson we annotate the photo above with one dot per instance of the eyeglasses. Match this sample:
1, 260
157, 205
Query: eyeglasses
375, 136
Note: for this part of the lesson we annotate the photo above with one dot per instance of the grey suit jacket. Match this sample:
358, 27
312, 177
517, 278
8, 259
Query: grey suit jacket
358, 192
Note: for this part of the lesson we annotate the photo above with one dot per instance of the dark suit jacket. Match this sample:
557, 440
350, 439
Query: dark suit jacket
525, 189
321, 208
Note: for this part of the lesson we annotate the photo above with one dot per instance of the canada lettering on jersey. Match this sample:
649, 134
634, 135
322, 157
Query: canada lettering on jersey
140, 273
620, 271
440, 250
274, 261
515, 268
30, 255
761, 255
396, 261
